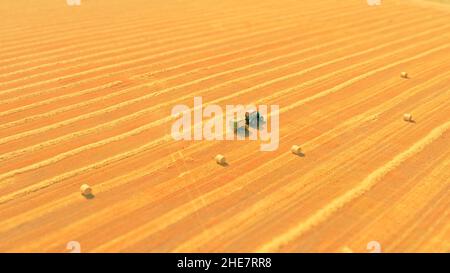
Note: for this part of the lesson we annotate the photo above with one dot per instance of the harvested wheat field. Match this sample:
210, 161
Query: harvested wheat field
87, 155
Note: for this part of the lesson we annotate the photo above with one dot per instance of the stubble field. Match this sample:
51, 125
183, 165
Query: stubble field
86, 94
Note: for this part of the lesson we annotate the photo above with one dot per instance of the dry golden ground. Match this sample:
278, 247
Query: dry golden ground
86, 94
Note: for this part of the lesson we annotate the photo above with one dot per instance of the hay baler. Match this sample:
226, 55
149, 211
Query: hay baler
252, 119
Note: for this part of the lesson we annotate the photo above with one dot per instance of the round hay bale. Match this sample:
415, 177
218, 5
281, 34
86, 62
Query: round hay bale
220, 159
86, 189
295, 149
407, 117
404, 75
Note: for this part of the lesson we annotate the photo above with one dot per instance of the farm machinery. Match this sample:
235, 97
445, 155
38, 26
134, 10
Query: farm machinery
252, 119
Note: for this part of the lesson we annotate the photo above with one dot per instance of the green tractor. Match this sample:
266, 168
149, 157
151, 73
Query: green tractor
252, 119
239, 125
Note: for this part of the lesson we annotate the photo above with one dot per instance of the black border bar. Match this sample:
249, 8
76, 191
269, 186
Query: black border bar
226, 262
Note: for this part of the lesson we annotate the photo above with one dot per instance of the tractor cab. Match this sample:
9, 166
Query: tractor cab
238, 125
254, 119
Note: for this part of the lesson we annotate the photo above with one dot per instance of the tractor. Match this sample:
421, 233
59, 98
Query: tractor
239, 125
252, 119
